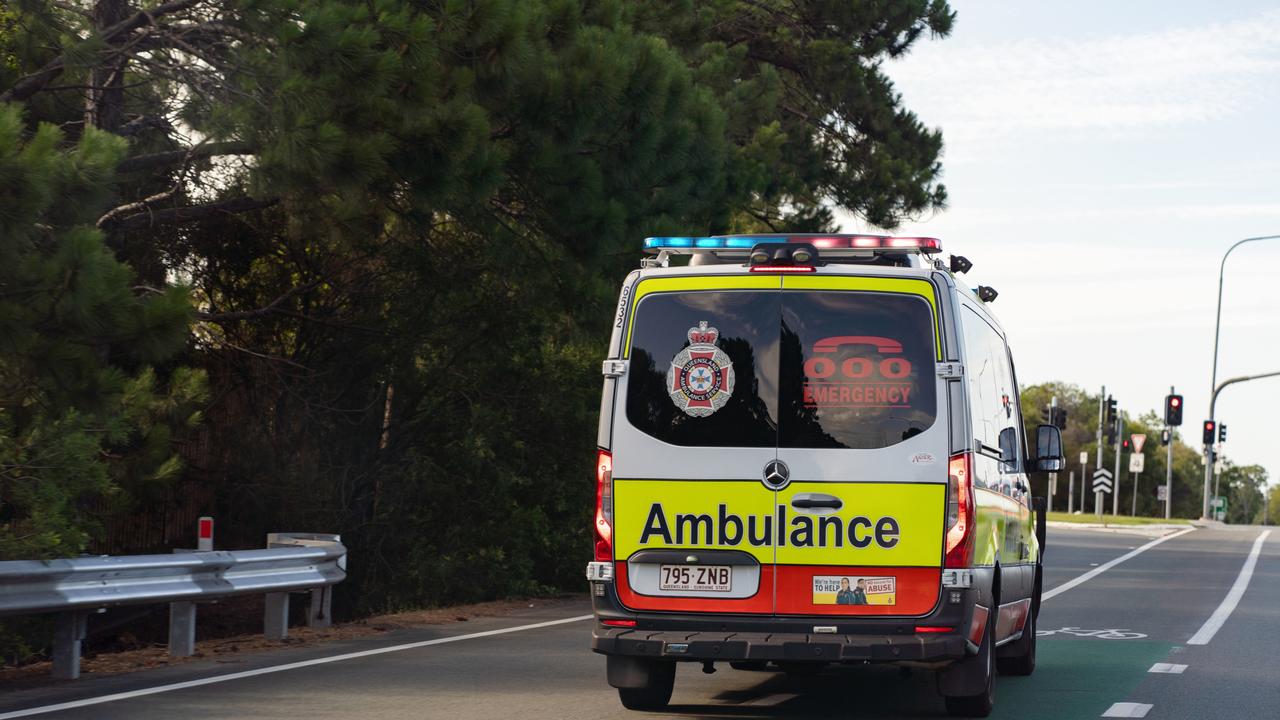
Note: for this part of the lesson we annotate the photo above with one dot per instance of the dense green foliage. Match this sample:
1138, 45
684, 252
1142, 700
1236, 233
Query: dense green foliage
82, 414
400, 224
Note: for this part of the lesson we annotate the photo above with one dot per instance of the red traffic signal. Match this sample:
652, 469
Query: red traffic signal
1173, 410
1210, 432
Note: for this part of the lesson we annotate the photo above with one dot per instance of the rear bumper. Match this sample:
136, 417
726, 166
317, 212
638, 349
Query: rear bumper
786, 647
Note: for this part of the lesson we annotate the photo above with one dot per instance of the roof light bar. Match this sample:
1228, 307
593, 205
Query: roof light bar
924, 245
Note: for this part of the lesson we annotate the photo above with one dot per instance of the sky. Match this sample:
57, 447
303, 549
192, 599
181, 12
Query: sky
1100, 158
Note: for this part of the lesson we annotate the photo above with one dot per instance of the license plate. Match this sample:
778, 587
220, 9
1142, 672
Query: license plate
699, 578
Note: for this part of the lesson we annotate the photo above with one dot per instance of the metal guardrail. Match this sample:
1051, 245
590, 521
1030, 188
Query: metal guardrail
78, 587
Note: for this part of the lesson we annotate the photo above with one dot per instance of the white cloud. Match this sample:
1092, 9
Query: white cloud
1123, 83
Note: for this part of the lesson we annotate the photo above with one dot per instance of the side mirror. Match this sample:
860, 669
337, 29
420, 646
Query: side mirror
1049, 456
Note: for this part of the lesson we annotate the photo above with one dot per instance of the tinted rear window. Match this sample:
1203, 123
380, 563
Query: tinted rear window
745, 329
797, 369
857, 369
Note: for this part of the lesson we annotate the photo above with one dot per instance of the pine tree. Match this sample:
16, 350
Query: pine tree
80, 405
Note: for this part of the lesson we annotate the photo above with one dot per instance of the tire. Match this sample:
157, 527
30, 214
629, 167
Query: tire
656, 694
979, 705
1023, 662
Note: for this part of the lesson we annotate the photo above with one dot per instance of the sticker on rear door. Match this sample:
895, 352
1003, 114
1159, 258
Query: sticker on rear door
700, 380
854, 590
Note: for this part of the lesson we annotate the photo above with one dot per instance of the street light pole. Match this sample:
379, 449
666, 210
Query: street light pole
1213, 400
1213, 381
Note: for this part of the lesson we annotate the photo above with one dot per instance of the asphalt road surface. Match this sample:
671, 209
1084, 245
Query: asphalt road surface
1167, 605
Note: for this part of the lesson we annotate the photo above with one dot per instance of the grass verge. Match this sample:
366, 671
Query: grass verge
1092, 518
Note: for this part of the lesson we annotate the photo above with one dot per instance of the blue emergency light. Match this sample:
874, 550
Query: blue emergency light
660, 243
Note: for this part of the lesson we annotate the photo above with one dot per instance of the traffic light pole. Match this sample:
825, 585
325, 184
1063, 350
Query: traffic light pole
1168, 464
1102, 414
1209, 456
1115, 496
1213, 380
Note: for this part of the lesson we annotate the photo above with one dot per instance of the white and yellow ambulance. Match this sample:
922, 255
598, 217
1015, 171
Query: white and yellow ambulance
811, 451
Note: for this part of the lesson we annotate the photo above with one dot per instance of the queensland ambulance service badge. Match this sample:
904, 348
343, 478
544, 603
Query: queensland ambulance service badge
701, 376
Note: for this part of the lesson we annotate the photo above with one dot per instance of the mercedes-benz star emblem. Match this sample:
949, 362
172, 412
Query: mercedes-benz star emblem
776, 475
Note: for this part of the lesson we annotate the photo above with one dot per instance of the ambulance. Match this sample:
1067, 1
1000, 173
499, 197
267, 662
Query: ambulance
811, 452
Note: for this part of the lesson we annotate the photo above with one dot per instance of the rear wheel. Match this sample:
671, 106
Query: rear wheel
656, 693
983, 666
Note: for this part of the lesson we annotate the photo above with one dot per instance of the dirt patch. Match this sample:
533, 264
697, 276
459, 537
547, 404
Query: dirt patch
227, 649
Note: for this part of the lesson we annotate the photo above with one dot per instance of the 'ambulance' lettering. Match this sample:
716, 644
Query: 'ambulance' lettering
731, 530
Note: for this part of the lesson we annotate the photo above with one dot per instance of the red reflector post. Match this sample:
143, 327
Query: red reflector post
204, 534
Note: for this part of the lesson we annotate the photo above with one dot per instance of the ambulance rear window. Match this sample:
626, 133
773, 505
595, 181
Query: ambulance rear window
704, 368
857, 369
793, 369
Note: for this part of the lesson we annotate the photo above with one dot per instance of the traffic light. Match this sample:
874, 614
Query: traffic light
1060, 420
1111, 410
1173, 410
1222, 432
1210, 432
1166, 436
1124, 444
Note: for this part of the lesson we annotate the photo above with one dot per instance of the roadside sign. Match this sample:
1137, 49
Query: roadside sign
1135, 462
1102, 481
1138, 442
1084, 458
1162, 493
1219, 502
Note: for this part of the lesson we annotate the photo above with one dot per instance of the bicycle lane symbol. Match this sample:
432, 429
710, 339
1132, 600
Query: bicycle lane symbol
1107, 634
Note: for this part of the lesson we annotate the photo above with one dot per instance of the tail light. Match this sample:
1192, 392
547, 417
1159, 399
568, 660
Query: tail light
604, 506
961, 511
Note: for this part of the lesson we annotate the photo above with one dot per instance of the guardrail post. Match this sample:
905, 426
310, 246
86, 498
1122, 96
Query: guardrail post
68, 633
318, 611
182, 629
276, 620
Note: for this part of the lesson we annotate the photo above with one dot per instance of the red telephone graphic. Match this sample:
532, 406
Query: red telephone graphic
857, 368
884, 346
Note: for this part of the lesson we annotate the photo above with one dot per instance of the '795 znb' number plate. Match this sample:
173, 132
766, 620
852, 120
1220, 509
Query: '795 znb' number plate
703, 578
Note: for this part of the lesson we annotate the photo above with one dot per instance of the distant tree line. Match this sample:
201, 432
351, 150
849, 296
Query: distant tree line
348, 265
1243, 485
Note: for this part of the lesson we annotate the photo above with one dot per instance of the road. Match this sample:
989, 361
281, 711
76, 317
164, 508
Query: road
491, 668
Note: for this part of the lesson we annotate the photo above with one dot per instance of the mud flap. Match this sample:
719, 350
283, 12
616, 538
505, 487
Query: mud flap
631, 672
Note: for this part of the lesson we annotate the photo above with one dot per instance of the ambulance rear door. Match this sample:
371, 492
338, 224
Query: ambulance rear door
863, 434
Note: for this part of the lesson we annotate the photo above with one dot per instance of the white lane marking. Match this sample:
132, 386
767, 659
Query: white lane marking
1219, 616
1073, 582
278, 668
771, 700
1169, 668
1129, 710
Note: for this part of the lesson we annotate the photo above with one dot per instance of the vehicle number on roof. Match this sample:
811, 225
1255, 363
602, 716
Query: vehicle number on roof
697, 578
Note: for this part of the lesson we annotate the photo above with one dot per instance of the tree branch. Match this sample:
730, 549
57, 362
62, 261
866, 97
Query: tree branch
178, 215
173, 157
29, 85
257, 312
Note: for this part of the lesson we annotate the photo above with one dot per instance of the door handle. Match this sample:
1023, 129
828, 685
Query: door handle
816, 501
